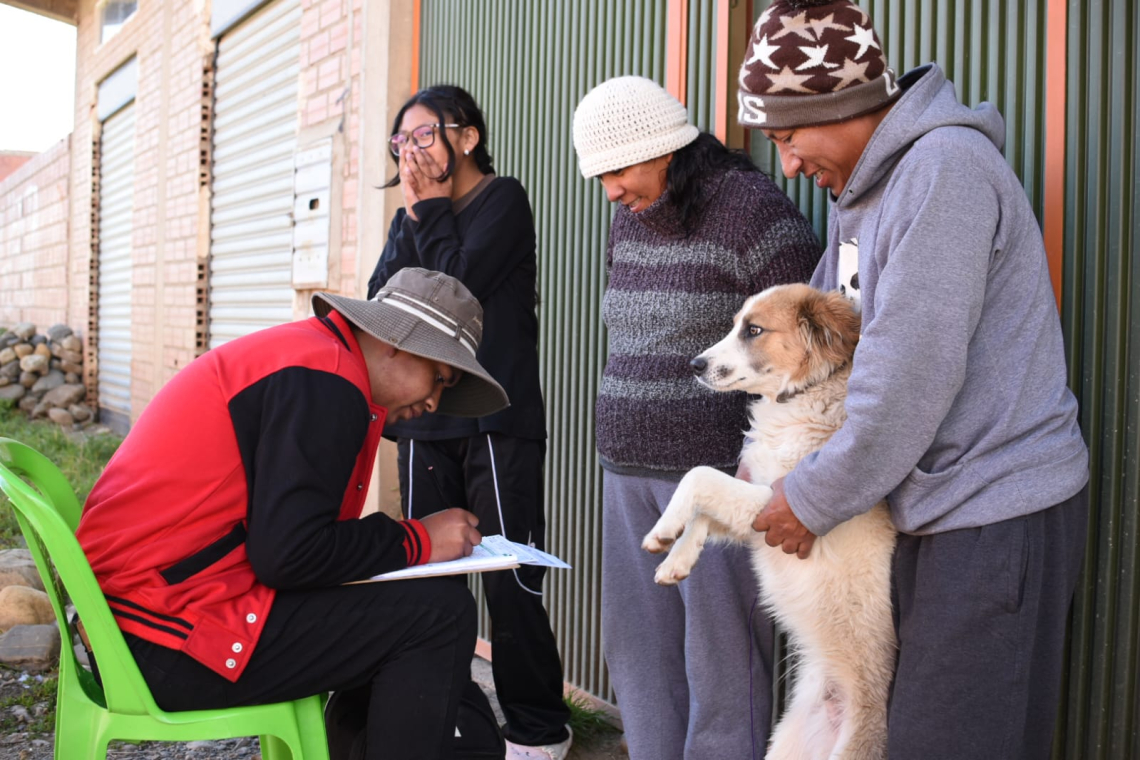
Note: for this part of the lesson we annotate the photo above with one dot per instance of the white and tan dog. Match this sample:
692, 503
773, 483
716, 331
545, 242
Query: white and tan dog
793, 345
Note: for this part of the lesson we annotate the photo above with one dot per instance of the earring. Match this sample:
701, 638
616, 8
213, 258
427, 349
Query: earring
467, 152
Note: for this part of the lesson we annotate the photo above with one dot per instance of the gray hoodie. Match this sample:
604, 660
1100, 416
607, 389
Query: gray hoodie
958, 411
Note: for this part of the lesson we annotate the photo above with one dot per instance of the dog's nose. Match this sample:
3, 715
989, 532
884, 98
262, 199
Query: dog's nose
699, 365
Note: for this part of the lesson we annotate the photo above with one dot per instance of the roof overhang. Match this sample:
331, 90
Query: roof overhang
60, 10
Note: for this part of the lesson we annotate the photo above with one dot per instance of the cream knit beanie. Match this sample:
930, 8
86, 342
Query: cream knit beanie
627, 120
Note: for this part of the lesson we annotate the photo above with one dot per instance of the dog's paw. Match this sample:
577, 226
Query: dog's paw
683, 556
671, 572
659, 540
667, 530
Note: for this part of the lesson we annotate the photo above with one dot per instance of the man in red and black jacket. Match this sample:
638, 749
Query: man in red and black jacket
223, 530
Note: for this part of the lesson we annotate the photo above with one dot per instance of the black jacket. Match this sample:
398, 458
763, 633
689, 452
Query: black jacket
485, 240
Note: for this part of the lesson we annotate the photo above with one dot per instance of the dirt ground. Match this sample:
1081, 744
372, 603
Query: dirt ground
21, 739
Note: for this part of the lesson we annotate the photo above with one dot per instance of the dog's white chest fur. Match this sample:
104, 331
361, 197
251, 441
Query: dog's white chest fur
784, 433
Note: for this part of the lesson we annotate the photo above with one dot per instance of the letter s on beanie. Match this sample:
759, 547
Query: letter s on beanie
812, 62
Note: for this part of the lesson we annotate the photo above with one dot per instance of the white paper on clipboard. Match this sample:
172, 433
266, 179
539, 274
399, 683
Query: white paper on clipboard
528, 555
494, 553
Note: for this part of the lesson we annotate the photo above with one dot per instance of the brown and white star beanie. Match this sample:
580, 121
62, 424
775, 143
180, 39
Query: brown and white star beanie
812, 62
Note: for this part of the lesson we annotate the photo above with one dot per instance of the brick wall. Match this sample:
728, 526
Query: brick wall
170, 220
171, 43
10, 161
33, 241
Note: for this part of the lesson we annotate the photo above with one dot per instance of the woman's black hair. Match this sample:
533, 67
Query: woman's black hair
688, 178
450, 104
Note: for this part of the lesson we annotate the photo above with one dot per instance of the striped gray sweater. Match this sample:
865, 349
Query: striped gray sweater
669, 297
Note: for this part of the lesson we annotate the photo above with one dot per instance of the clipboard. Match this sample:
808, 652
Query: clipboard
494, 553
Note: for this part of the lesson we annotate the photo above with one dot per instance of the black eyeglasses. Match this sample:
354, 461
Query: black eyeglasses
423, 137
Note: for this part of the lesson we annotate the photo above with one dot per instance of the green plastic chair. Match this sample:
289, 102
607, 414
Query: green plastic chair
89, 716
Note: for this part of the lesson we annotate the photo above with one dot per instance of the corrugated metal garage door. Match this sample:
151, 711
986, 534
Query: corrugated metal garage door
255, 137
116, 204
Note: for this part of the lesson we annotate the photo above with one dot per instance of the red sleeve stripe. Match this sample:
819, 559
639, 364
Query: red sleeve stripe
417, 544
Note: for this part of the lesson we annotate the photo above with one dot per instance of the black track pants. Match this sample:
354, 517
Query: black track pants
499, 479
403, 647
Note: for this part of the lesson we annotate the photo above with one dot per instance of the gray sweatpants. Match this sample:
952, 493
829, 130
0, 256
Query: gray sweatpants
691, 664
981, 617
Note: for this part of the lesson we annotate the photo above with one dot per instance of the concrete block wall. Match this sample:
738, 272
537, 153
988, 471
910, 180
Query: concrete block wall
34, 212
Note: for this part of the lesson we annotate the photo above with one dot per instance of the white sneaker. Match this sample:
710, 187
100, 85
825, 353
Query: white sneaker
558, 751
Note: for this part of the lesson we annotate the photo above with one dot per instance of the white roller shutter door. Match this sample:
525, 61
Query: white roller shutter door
255, 137
116, 204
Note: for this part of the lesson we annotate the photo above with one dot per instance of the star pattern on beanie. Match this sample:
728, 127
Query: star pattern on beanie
850, 73
807, 49
821, 25
798, 25
832, 44
864, 37
816, 56
789, 80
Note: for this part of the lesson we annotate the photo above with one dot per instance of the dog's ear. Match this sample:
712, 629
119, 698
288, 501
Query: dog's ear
829, 326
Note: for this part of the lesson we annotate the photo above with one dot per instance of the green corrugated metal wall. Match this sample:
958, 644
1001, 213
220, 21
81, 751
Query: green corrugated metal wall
528, 64
1101, 314
700, 73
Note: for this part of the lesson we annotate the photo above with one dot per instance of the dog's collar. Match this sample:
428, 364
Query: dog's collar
784, 397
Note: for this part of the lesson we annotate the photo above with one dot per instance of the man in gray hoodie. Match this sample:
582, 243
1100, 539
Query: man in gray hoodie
958, 413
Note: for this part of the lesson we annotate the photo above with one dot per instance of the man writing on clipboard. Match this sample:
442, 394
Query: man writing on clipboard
223, 531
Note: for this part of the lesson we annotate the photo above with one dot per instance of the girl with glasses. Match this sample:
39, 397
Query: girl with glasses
462, 219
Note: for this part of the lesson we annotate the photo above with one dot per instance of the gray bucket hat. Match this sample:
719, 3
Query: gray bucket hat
429, 314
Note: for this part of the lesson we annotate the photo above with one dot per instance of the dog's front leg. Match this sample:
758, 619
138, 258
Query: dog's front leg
680, 511
707, 501
730, 502
684, 554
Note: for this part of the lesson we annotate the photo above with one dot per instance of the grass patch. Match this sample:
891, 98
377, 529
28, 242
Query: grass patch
589, 723
37, 690
80, 457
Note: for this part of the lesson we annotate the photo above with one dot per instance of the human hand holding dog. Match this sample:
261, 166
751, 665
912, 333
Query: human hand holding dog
781, 527
452, 534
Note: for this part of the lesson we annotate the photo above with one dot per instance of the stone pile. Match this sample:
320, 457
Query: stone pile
29, 652
43, 374
29, 634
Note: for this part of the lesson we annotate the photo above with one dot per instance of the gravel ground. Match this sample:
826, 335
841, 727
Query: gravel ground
26, 744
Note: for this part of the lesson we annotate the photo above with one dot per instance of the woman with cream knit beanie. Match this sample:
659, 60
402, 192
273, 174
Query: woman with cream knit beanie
697, 231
